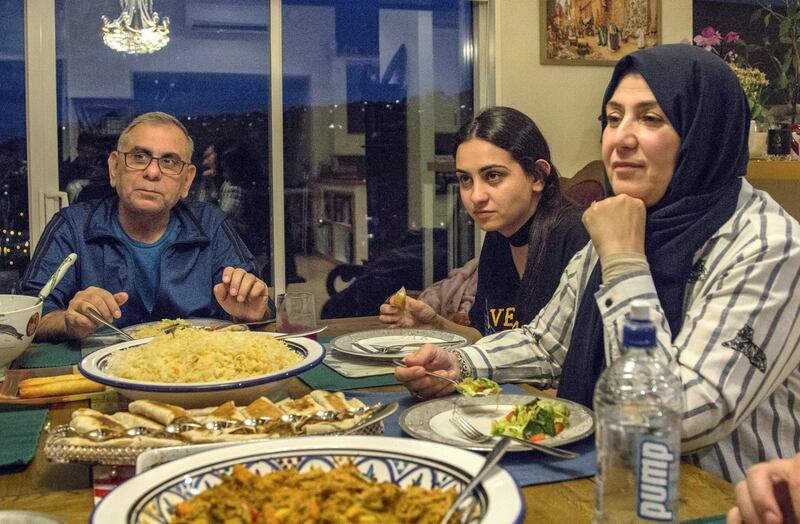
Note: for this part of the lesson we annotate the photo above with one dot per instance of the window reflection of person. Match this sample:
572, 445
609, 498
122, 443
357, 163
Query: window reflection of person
510, 188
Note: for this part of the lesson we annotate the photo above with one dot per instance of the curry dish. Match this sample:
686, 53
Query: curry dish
340, 496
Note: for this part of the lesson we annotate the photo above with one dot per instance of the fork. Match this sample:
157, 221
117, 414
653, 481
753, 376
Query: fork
397, 347
472, 433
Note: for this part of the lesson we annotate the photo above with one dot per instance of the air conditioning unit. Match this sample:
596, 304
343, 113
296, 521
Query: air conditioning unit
227, 17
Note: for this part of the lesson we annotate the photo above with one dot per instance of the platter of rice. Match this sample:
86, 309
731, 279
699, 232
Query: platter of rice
193, 367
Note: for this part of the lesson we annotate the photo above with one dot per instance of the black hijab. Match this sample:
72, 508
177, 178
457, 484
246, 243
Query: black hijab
703, 100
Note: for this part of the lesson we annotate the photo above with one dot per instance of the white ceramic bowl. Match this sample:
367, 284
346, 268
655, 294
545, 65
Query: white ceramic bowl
19, 318
151, 496
200, 394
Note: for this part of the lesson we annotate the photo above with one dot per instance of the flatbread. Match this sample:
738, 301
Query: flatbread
131, 420
86, 423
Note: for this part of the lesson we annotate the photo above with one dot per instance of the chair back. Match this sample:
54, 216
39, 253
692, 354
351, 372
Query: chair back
588, 184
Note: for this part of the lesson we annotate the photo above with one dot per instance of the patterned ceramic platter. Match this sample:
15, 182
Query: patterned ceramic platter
367, 344
430, 420
151, 496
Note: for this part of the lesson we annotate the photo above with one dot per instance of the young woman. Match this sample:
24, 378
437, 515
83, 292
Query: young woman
510, 188
718, 261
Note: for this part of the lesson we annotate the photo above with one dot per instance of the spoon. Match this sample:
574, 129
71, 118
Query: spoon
53, 281
458, 385
400, 363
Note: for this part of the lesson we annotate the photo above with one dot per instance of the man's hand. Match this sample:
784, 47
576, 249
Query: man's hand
616, 225
435, 359
242, 295
415, 313
78, 324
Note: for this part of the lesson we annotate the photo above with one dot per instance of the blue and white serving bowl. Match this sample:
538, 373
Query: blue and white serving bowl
200, 394
151, 497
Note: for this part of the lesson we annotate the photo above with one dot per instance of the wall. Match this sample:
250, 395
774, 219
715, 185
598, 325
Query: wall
564, 101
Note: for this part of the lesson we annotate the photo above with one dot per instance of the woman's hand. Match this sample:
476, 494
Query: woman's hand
769, 494
415, 313
434, 359
616, 225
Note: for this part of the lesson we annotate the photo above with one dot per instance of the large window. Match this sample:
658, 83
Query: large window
373, 93
13, 166
213, 75
380, 89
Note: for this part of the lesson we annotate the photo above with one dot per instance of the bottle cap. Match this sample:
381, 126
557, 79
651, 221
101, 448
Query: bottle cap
638, 331
640, 310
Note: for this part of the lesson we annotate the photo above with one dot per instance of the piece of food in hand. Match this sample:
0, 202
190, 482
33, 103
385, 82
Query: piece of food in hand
474, 387
399, 298
537, 420
58, 385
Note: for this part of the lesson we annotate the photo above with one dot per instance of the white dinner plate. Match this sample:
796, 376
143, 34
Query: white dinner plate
389, 337
196, 322
430, 420
151, 497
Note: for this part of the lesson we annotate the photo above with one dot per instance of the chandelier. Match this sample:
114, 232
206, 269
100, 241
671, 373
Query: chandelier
136, 30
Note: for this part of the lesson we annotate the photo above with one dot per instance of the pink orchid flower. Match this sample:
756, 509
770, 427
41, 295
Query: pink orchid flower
731, 37
708, 38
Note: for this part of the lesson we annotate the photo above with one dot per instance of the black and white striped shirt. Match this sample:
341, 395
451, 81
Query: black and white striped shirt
737, 353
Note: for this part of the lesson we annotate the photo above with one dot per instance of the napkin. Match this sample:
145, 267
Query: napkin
323, 377
527, 468
19, 433
45, 355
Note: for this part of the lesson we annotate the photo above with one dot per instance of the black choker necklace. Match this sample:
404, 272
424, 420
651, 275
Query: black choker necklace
521, 237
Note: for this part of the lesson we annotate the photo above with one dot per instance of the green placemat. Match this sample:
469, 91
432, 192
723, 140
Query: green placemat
714, 519
323, 377
19, 434
47, 355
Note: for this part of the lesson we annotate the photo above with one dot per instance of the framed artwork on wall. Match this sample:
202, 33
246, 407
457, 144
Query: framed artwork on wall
596, 32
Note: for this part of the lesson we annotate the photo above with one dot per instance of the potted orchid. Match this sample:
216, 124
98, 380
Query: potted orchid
734, 51
725, 47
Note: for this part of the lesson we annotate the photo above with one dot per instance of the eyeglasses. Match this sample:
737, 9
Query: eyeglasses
141, 161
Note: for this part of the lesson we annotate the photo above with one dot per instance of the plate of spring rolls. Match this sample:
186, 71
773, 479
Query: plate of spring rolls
47, 386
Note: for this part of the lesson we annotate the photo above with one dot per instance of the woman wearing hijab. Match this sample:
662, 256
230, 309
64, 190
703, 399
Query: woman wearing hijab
510, 187
718, 261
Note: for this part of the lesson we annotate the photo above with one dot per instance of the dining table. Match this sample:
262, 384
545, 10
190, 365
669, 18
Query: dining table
66, 490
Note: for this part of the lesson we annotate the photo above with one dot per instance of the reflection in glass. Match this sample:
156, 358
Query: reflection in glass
371, 198
14, 232
213, 76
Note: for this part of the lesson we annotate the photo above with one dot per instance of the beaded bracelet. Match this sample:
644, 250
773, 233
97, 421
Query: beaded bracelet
464, 369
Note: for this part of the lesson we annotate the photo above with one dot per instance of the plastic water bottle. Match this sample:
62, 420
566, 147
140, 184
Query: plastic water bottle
638, 403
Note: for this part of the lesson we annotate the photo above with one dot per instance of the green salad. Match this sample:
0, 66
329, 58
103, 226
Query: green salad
473, 387
538, 419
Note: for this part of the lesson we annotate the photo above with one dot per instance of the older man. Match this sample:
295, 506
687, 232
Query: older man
144, 254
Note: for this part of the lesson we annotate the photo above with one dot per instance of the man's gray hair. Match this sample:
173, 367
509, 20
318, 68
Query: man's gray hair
157, 118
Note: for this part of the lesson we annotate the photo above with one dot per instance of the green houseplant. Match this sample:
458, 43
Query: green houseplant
784, 52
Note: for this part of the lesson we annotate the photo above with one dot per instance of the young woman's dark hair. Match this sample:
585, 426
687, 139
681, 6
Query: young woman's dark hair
515, 132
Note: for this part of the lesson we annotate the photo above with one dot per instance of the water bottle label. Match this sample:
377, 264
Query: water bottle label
653, 482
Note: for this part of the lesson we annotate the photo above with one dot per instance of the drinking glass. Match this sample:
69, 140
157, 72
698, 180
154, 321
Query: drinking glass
295, 312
